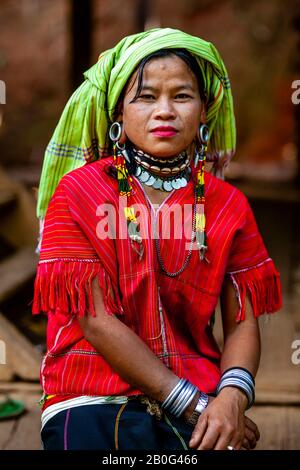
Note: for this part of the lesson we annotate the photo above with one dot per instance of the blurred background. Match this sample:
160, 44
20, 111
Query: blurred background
45, 45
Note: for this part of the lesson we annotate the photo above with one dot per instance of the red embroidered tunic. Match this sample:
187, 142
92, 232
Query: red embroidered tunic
170, 314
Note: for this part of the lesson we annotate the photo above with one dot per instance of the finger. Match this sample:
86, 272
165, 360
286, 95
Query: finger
257, 433
252, 426
199, 431
209, 440
251, 438
223, 442
246, 444
231, 437
233, 441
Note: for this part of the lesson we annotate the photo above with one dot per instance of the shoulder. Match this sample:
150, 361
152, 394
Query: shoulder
97, 169
220, 192
92, 178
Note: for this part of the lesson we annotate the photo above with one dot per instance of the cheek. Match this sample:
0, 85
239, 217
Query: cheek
192, 121
135, 120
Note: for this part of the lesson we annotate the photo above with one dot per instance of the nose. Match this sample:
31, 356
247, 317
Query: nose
164, 110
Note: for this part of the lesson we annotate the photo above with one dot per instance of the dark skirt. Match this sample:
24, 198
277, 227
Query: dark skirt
115, 427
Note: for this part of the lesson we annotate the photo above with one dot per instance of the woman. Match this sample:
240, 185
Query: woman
137, 248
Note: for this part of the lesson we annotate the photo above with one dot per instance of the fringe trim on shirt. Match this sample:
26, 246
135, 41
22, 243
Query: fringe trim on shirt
65, 286
262, 284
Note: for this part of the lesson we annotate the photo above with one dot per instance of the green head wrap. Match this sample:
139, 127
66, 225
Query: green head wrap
82, 132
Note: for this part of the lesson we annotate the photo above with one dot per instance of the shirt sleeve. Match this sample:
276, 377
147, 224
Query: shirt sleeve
67, 266
251, 269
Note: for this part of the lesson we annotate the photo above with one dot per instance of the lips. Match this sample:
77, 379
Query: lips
164, 131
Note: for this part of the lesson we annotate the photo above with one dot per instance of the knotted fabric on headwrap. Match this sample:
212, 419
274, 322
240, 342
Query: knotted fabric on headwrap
82, 132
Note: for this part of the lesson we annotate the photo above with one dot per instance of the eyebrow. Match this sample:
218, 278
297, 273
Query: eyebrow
184, 86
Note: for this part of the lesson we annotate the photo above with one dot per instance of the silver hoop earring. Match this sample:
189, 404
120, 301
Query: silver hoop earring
115, 133
203, 136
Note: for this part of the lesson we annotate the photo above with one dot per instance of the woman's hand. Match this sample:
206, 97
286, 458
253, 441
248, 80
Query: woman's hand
252, 434
223, 423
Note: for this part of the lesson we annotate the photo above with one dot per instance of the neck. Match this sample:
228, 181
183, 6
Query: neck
161, 174
163, 167
162, 159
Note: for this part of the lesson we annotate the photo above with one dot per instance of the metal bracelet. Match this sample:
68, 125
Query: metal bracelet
174, 393
200, 407
184, 400
242, 385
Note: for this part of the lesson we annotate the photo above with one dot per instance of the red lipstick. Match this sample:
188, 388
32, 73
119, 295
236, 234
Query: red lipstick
164, 131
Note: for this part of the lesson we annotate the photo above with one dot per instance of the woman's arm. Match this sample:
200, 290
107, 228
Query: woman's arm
127, 354
241, 340
223, 421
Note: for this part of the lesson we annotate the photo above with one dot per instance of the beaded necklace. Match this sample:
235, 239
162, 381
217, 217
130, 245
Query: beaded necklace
198, 223
165, 175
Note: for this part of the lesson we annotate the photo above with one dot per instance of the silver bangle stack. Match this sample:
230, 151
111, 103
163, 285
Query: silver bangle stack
180, 397
240, 378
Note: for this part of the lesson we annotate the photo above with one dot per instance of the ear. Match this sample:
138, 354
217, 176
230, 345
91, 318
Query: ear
203, 113
119, 111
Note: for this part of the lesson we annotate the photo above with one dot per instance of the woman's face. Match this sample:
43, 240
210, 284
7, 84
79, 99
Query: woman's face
165, 117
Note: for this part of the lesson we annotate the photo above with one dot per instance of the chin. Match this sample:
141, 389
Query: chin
163, 151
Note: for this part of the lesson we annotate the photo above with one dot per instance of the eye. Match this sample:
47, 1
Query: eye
147, 97
182, 96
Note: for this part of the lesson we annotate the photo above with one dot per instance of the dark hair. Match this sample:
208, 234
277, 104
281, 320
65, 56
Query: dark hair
184, 55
